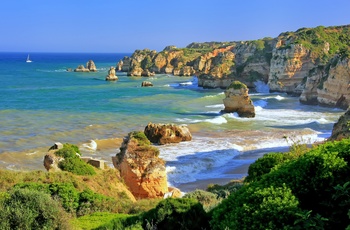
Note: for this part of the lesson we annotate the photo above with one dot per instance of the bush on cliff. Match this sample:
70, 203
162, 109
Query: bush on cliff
176, 214
237, 85
73, 201
72, 162
307, 192
207, 199
28, 209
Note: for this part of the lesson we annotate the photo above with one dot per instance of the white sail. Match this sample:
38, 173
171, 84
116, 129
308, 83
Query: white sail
28, 60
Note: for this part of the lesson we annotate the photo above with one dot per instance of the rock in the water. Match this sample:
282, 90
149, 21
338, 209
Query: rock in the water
146, 84
237, 100
167, 133
81, 68
341, 129
141, 168
90, 65
111, 75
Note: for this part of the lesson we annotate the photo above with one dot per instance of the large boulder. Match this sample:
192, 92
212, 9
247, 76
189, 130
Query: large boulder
238, 100
341, 129
111, 75
141, 168
167, 133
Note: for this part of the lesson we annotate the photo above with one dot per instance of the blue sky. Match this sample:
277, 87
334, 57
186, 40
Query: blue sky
123, 26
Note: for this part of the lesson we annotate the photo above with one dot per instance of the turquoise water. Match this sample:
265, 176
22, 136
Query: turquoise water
41, 103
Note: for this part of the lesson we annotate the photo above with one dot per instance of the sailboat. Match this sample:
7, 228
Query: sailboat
28, 60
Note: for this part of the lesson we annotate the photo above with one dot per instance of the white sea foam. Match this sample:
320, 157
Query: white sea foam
261, 87
217, 120
260, 103
219, 94
220, 106
92, 146
198, 159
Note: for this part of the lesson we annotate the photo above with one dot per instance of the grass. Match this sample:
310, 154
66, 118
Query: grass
95, 220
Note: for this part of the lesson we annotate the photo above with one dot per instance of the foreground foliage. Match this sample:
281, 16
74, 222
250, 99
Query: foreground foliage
310, 191
28, 209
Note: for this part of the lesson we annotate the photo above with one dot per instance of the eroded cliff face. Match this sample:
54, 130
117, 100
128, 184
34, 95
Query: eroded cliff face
141, 168
341, 129
289, 66
329, 85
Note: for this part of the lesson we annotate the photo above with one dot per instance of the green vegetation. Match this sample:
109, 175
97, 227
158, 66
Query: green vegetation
208, 200
306, 188
176, 214
306, 192
237, 85
29, 209
143, 145
72, 162
315, 39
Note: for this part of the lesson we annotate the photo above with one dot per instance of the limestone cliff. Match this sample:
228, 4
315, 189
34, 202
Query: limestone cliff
341, 129
291, 63
329, 85
141, 168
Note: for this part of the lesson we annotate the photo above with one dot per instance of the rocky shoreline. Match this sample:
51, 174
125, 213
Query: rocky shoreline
312, 63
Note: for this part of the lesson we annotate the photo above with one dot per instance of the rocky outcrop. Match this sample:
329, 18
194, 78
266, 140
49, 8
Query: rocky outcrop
51, 160
111, 75
146, 84
167, 133
332, 85
329, 85
141, 168
238, 100
341, 129
90, 65
81, 68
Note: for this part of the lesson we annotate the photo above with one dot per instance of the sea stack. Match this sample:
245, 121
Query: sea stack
141, 168
238, 100
90, 65
111, 75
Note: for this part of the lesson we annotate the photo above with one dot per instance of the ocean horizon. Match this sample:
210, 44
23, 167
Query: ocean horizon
42, 103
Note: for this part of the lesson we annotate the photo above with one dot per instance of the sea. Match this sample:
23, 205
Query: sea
42, 103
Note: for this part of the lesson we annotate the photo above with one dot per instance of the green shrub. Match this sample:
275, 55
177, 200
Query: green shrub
176, 214
77, 166
315, 184
72, 162
140, 137
207, 199
264, 165
28, 209
224, 191
237, 85
254, 207
68, 150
